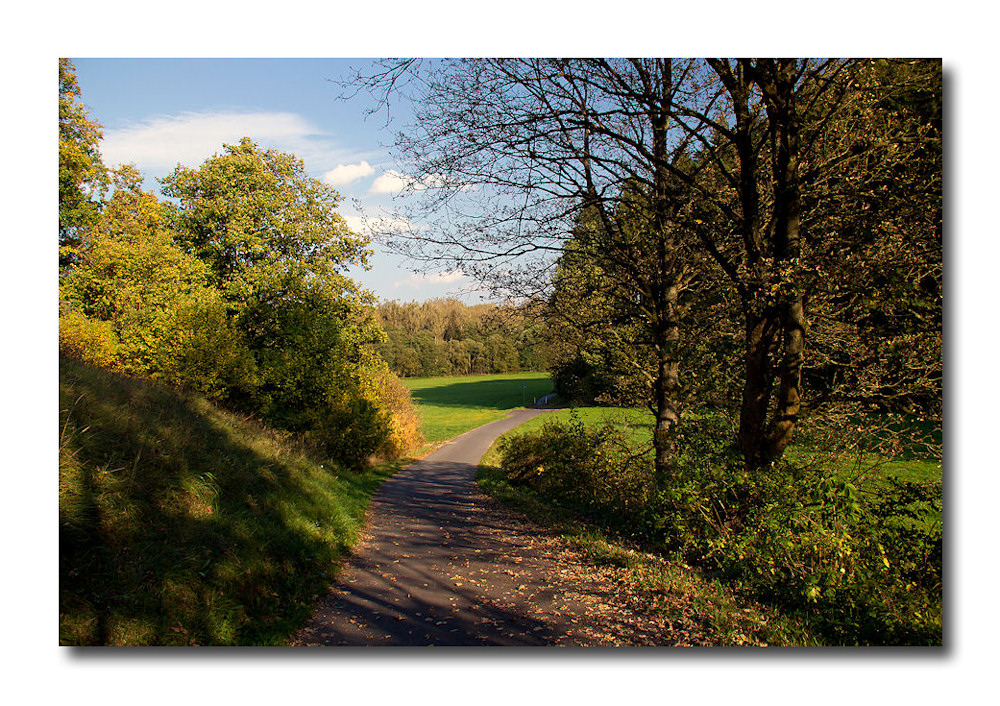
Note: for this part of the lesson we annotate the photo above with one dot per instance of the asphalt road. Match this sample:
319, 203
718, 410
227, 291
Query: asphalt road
442, 564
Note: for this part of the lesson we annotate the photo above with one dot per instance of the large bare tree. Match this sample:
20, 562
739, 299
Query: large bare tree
507, 155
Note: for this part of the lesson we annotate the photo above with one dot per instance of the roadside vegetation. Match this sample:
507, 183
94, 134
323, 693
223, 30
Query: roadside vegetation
842, 552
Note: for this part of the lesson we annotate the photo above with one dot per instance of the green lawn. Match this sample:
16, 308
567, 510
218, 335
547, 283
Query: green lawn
638, 422
450, 406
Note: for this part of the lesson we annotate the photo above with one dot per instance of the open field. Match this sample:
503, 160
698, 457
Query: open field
450, 406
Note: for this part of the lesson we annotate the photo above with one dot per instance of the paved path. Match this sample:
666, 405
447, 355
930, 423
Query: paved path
442, 564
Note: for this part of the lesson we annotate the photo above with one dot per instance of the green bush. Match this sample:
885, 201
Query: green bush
351, 429
586, 468
89, 340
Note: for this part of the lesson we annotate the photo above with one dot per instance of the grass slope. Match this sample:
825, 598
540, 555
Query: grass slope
183, 524
450, 406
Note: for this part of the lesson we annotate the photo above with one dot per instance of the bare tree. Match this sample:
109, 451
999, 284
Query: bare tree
505, 157
509, 157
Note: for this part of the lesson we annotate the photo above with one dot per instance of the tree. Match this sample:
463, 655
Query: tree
880, 346
276, 248
255, 217
81, 172
445, 336
513, 151
753, 160
136, 303
797, 149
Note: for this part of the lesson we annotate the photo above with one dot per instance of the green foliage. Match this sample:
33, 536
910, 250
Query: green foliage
81, 172
90, 340
136, 303
875, 220
858, 563
274, 247
257, 220
182, 524
584, 467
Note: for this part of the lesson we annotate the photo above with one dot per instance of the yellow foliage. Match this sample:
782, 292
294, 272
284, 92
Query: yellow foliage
89, 340
404, 425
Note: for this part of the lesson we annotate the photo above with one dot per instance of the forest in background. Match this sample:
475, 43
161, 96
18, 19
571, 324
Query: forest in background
446, 337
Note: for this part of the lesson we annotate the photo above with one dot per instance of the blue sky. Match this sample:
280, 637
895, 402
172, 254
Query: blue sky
157, 113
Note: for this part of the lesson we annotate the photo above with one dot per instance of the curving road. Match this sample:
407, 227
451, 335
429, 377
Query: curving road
442, 564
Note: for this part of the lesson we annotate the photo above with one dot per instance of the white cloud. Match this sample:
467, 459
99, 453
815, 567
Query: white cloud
157, 144
344, 174
393, 182
418, 280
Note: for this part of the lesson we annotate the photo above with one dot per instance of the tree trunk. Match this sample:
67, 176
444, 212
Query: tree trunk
665, 388
757, 386
767, 420
786, 415
666, 325
783, 321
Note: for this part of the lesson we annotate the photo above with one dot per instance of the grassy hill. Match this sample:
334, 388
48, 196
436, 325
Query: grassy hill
180, 523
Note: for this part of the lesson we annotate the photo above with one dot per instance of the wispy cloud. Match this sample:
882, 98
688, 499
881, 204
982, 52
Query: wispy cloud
344, 174
375, 226
394, 182
158, 143
418, 280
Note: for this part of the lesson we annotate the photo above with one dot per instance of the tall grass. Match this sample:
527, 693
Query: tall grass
182, 524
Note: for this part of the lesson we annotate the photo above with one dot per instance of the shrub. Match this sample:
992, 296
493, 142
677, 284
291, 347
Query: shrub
402, 420
586, 468
861, 562
350, 429
367, 415
89, 340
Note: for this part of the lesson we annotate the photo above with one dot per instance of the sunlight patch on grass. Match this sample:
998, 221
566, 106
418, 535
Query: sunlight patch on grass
449, 406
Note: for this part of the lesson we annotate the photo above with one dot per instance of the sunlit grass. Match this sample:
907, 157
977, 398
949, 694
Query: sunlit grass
449, 406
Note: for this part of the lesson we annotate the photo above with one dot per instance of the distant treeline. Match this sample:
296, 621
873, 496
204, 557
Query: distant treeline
447, 337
